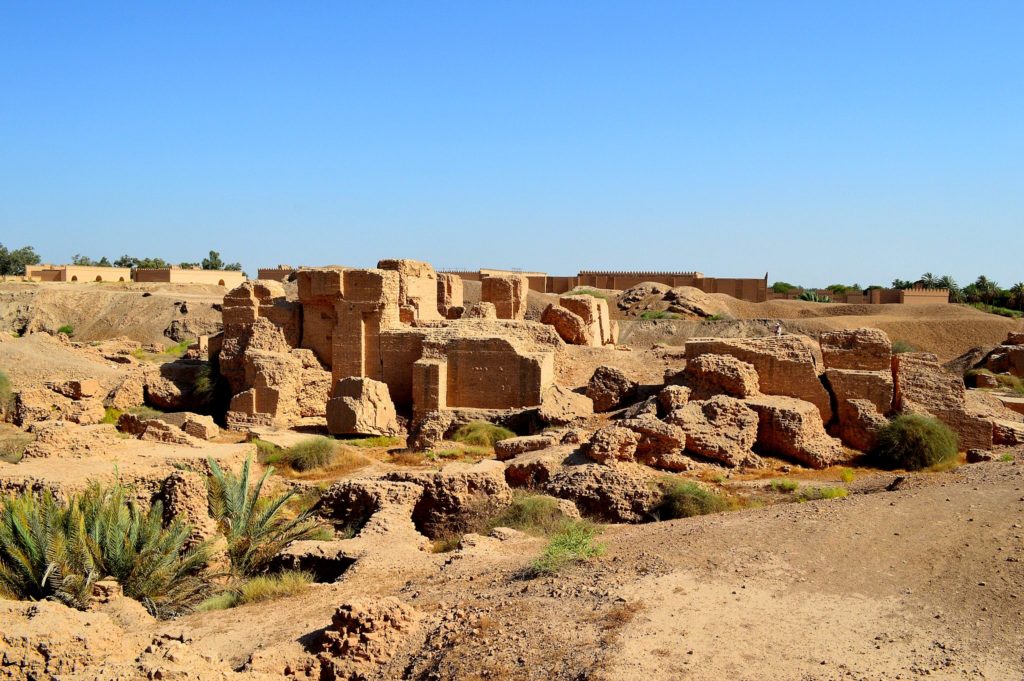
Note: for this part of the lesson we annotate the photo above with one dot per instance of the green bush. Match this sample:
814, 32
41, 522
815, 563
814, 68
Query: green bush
254, 526
912, 442
813, 297
786, 486
55, 551
371, 442
315, 452
901, 346
6, 394
574, 543
67, 330
583, 291
659, 314
482, 434
532, 513
685, 498
259, 589
815, 493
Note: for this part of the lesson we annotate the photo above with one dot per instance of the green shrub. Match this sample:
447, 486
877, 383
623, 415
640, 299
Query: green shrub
574, 543
815, 493
67, 330
996, 310
315, 452
55, 551
6, 394
254, 526
784, 485
685, 498
1007, 457
813, 297
901, 346
371, 442
259, 589
532, 513
913, 442
13, 444
111, 415
145, 412
268, 452
659, 314
583, 291
482, 434
846, 475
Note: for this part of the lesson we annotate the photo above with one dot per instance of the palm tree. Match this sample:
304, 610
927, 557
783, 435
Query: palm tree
987, 289
928, 280
254, 527
153, 564
1017, 295
949, 283
44, 552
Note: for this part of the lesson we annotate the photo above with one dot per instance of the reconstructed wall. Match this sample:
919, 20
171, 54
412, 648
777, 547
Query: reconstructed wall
279, 273
176, 275
76, 273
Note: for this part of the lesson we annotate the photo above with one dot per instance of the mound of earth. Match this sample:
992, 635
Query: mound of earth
147, 313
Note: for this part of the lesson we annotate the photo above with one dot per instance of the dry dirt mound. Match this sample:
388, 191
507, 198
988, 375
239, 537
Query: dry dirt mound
148, 313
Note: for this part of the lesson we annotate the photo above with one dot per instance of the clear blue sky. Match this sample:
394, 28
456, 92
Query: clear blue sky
821, 141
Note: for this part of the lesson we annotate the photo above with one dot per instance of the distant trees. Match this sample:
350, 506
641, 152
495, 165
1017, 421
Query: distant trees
86, 261
215, 263
783, 287
14, 262
141, 263
982, 291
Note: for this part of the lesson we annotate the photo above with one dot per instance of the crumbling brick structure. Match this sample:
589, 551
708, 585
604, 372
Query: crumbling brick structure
387, 324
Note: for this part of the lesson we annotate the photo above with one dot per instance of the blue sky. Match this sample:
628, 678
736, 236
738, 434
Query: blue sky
822, 142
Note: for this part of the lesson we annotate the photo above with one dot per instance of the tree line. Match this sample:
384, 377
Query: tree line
212, 262
983, 291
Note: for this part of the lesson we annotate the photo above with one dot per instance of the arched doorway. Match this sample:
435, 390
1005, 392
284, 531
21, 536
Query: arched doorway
99, 278
220, 283
74, 278
120, 278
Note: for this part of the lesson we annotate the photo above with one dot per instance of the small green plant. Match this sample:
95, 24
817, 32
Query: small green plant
315, 452
532, 513
267, 452
574, 543
1007, 457
111, 415
259, 589
67, 330
372, 442
784, 485
659, 314
814, 297
482, 434
815, 493
718, 317
901, 346
254, 526
6, 394
846, 475
685, 498
13, 444
913, 442
583, 291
